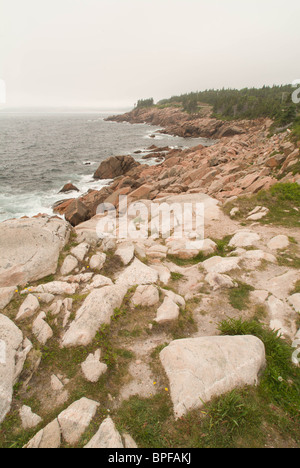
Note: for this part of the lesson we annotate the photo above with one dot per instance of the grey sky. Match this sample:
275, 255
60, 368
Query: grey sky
112, 52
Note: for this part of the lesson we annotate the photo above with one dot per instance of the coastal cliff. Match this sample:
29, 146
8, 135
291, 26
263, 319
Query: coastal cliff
176, 122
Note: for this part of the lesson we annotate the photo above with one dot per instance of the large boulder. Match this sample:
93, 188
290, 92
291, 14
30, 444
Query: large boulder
29, 249
200, 369
13, 353
77, 212
115, 166
69, 188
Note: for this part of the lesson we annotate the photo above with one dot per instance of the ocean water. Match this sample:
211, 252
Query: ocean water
41, 152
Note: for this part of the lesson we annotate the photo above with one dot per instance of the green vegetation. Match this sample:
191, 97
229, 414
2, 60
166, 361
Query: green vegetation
280, 384
283, 201
248, 103
239, 297
296, 289
145, 103
176, 276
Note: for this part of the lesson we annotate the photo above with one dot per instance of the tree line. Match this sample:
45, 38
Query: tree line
248, 103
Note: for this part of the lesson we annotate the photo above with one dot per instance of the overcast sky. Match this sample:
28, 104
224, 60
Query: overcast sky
109, 53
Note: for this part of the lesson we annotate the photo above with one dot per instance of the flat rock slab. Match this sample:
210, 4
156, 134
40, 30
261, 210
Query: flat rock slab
244, 239
56, 287
96, 310
76, 419
279, 242
29, 249
219, 265
200, 369
281, 286
211, 206
137, 274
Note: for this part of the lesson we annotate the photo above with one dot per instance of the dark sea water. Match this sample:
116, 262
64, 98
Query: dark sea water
40, 152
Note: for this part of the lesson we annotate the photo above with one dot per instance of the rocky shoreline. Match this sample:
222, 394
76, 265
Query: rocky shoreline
102, 339
243, 162
178, 123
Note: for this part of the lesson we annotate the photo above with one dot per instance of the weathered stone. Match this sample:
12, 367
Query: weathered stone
11, 339
294, 300
47, 438
115, 166
28, 308
218, 281
280, 286
92, 368
137, 274
126, 252
259, 296
221, 265
56, 288
97, 261
6, 295
56, 384
157, 251
69, 188
282, 317
200, 369
167, 312
107, 437
29, 249
244, 239
80, 251
253, 258
45, 297
76, 418
258, 213
77, 212
70, 263
129, 442
81, 278
174, 297
279, 242
145, 296
164, 273
28, 418
99, 281
41, 330
96, 310
56, 308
